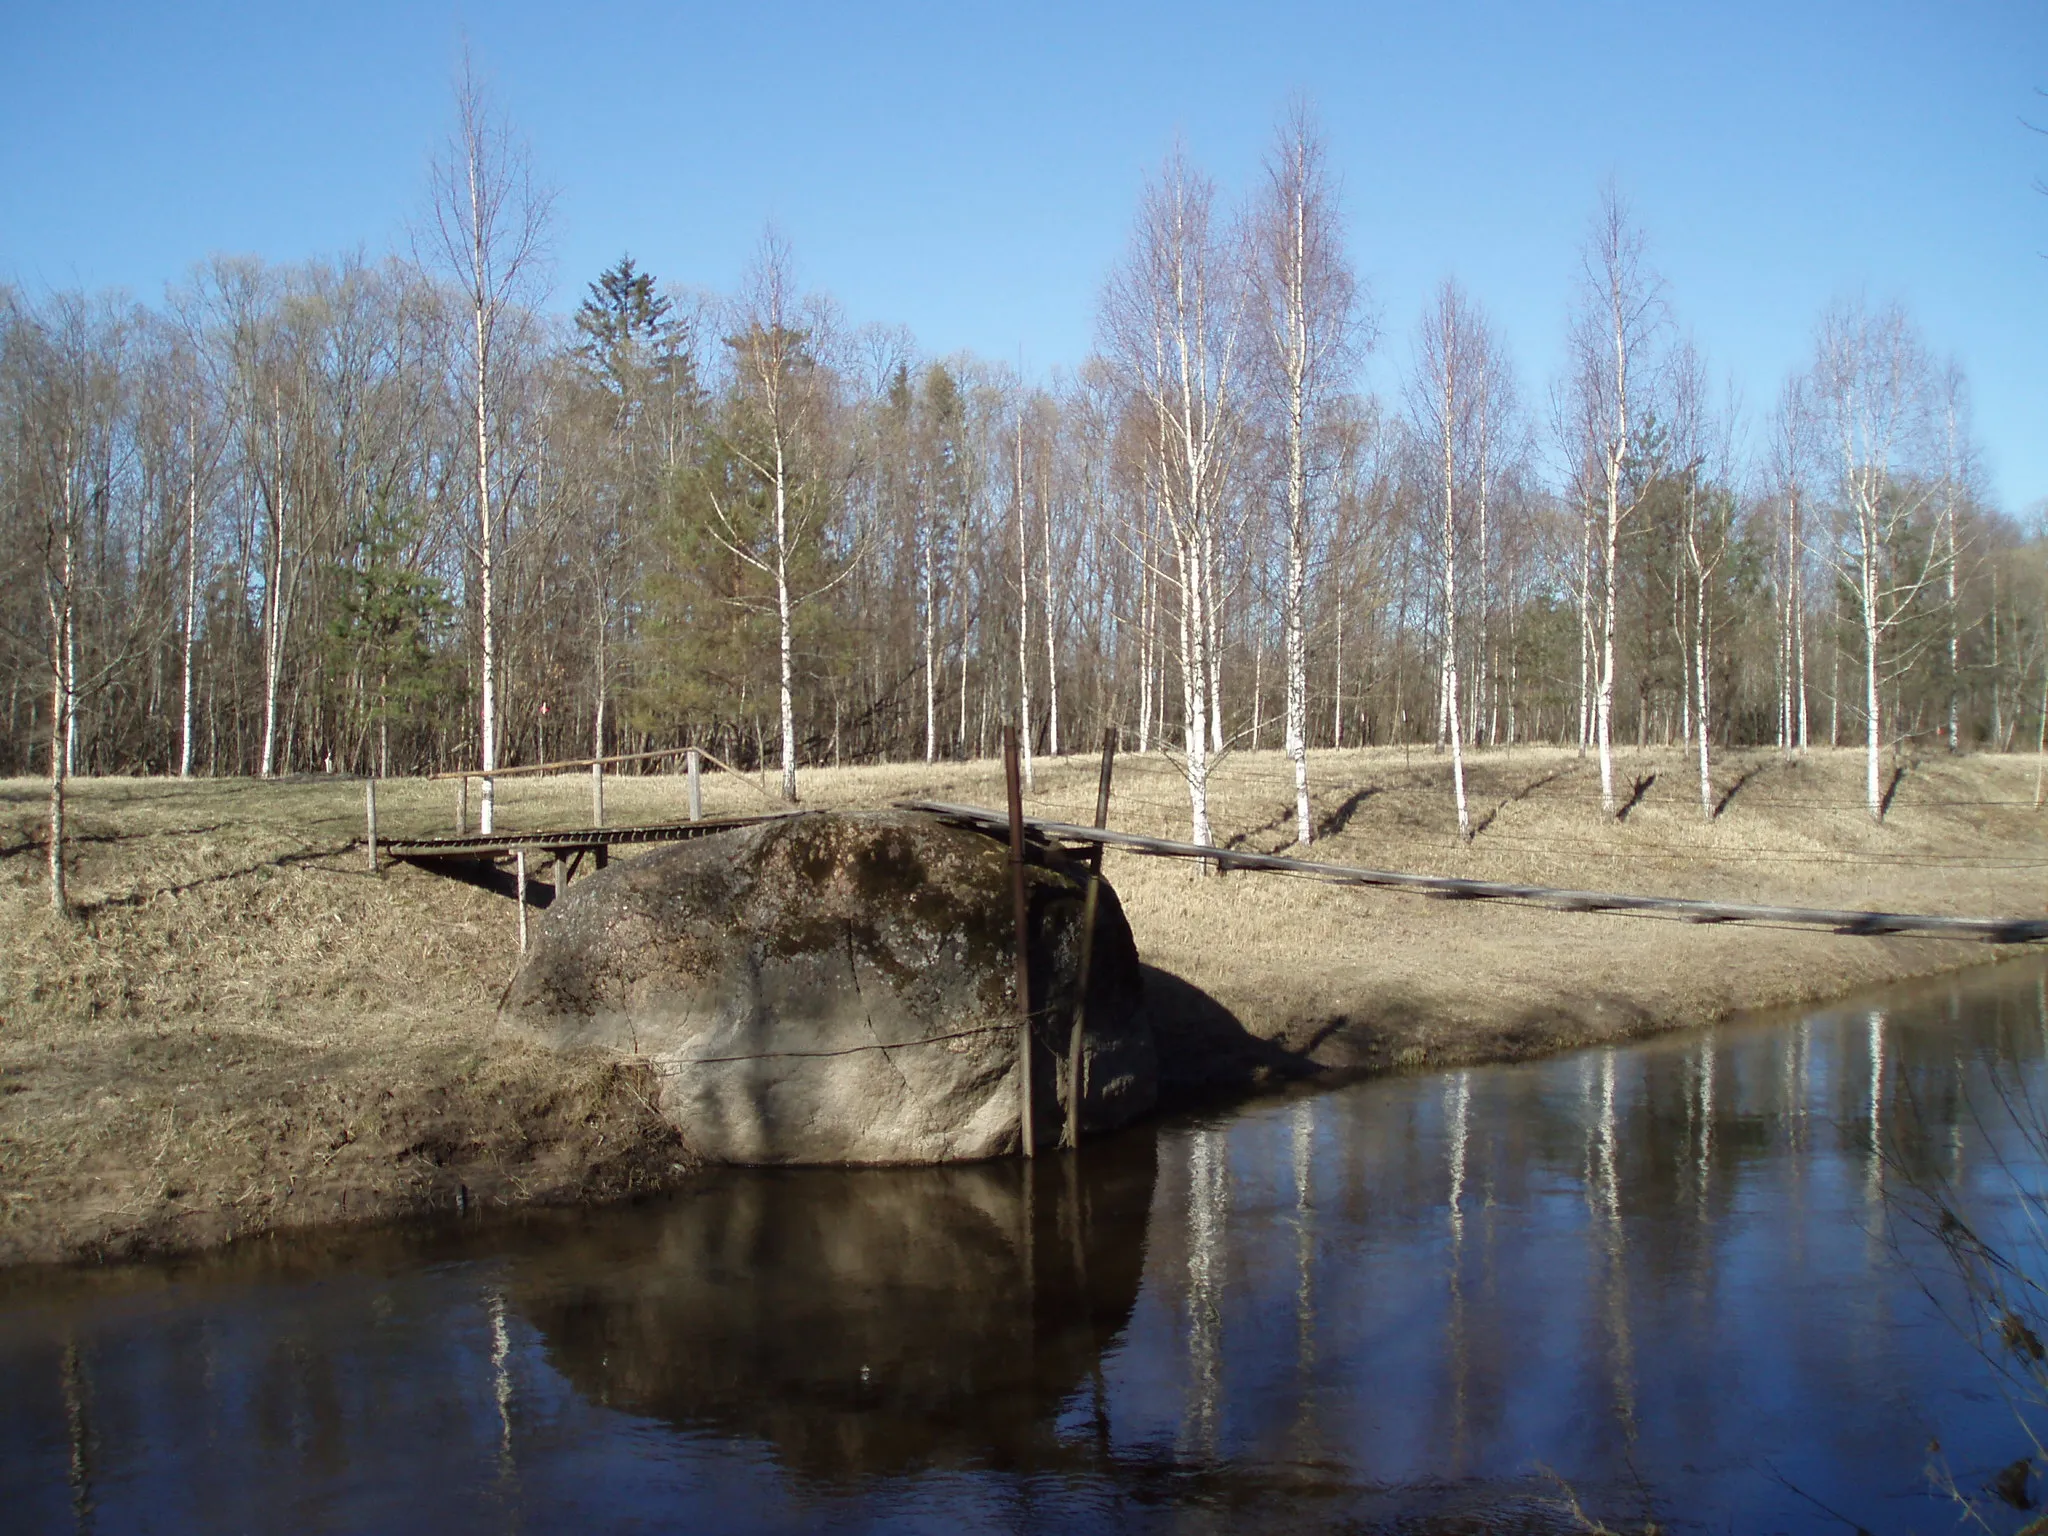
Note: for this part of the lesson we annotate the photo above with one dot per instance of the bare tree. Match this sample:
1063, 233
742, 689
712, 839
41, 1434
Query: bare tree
1790, 453
1874, 391
486, 231
1170, 318
1957, 464
1308, 300
1620, 314
62, 377
778, 435
1702, 443
1446, 396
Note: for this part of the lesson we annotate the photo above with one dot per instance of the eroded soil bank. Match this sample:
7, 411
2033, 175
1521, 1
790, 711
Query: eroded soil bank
243, 1031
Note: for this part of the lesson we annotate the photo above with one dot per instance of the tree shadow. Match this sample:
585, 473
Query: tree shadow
94, 839
1523, 793
1635, 798
1884, 806
144, 897
1239, 839
1735, 789
1340, 818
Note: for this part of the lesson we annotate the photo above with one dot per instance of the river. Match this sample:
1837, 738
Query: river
1686, 1281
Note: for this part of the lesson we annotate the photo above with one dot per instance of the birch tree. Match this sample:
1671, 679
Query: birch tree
1789, 460
1170, 320
1445, 392
486, 232
1707, 519
1307, 301
782, 399
1874, 392
1956, 469
1619, 317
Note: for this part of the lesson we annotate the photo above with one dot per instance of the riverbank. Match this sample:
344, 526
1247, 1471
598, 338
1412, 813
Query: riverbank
244, 1031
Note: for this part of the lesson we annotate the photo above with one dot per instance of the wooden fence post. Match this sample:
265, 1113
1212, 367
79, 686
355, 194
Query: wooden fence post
370, 816
1075, 1084
519, 865
1021, 901
696, 761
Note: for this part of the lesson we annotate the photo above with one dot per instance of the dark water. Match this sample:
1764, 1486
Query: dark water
1677, 1279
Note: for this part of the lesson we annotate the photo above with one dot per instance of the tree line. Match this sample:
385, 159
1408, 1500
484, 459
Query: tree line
389, 516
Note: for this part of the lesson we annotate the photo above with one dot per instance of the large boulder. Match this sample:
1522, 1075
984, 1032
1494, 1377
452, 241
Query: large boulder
829, 988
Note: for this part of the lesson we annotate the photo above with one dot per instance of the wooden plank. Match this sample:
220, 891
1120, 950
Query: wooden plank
1992, 930
1077, 1044
519, 863
420, 849
1021, 904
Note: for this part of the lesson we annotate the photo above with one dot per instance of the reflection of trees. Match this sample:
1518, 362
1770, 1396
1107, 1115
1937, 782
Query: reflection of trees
1963, 1163
857, 1322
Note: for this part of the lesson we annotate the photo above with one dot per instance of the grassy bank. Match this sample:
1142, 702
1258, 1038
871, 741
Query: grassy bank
243, 1029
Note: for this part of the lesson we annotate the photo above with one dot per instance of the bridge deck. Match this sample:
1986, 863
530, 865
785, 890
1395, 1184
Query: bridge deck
427, 850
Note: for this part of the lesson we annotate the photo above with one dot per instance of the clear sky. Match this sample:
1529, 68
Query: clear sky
970, 171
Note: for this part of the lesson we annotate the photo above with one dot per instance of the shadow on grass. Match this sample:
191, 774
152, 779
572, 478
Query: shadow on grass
1735, 789
1340, 818
1884, 806
1523, 793
1635, 797
144, 897
92, 839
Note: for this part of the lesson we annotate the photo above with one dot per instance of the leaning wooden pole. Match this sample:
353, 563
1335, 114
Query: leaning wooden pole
519, 890
1021, 901
1075, 1083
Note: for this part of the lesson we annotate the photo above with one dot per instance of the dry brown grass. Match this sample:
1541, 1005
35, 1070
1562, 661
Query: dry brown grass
242, 1029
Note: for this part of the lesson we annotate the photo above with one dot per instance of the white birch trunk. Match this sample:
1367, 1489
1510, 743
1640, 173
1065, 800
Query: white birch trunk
487, 536
1451, 659
1052, 658
1585, 629
1212, 651
1194, 690
786, 627
1700, 649
1604, 705
63, 688
931, 664
191, 597
1955, 651
1023, 615
1337, 682
1872, 730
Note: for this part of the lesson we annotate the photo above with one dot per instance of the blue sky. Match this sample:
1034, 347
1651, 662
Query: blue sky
970, 172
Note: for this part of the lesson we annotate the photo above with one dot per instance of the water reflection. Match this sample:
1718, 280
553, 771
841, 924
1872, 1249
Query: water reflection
1674, 1273
858, 1324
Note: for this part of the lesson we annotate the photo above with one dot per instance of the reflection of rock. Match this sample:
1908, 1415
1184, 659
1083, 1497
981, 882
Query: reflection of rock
828, 988
857, 1321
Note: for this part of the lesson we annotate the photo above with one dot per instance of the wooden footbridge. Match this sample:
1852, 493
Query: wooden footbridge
479, 859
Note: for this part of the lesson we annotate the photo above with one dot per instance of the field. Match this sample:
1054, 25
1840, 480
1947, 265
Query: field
243, 1029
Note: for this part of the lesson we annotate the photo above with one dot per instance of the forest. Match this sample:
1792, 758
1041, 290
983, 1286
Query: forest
393, 515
